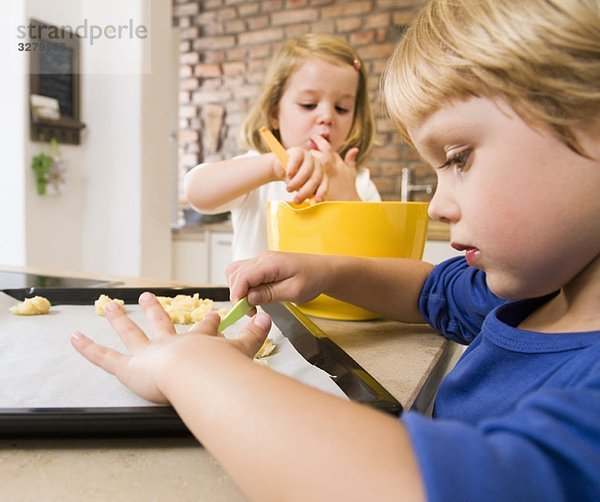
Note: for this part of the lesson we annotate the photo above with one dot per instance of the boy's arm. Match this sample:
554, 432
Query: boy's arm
209, 186
280, 440
387, 286
277, 438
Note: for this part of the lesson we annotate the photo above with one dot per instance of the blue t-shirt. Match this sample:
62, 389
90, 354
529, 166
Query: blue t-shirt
518, 418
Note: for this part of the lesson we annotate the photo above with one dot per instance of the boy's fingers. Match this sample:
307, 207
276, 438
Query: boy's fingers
265, 269
208, 324
233, 267
285, 290
254, 334
131, 334
103, 357
159, 320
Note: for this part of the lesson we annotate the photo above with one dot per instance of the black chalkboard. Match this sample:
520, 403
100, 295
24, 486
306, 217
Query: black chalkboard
54, 72
56, 77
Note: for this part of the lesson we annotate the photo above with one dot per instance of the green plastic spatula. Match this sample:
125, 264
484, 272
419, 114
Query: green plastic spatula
239, 310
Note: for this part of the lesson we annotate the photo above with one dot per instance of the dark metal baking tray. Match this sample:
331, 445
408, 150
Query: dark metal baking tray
18, 280
162, 421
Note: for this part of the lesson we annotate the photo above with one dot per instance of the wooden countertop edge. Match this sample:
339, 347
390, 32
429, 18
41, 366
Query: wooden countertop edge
426, 390
436, 231
126, 281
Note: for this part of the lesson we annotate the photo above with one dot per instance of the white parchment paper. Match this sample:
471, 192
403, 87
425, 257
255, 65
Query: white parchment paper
39, 368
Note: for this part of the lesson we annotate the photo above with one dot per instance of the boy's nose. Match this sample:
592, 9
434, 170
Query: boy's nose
442, 206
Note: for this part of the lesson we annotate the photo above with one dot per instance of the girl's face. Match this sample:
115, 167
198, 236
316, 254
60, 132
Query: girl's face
520, 203
318, 100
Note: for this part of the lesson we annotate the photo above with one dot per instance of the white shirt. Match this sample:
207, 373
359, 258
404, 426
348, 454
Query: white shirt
249, 212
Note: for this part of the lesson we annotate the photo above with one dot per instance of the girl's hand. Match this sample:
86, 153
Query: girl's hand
278, 171
322, 173
275, 276
146, 366
305, 175
340, 174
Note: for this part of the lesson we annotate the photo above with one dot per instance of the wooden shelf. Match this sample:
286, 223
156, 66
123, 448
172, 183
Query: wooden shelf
65, 131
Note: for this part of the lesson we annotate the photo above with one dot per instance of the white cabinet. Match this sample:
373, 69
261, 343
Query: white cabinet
201, 256
220, 257
438, 251
437, 247
190, 260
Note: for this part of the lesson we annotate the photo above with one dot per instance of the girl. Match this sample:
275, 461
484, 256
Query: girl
316, 103
502, 96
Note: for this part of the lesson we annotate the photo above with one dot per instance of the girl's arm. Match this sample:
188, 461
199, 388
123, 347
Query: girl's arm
209, 186
387, 286
277, 438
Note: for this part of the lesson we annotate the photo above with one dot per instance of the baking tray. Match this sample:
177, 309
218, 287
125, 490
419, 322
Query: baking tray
13, 280
144, 421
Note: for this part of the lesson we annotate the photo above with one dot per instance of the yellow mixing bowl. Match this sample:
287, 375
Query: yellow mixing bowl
369, 229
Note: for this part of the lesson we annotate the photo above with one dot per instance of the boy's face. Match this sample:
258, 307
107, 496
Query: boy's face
318, 100
520, 203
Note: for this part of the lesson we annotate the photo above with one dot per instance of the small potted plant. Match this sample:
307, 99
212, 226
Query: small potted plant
47, 168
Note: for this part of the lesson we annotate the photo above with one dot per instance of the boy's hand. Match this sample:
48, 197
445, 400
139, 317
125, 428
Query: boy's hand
275, 276
146, 366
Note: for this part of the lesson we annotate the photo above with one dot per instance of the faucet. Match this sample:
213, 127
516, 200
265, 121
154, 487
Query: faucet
406, 188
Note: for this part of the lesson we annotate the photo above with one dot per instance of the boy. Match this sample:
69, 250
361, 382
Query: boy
502, 97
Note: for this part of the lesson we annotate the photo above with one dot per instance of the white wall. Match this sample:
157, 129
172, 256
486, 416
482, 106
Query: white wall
113, 217
158, 121
12, 134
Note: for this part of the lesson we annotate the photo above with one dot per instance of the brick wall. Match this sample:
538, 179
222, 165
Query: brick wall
226, 46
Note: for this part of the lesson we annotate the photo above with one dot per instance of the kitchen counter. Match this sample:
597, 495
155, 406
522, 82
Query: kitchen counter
408, 360
436, 231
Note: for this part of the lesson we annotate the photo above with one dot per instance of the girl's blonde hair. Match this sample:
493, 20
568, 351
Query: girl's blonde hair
290, 56
540, 56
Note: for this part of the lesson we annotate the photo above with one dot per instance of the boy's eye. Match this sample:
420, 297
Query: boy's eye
459, 160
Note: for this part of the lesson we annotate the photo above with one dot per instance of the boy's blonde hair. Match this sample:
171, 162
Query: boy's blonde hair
540, 56
290, 56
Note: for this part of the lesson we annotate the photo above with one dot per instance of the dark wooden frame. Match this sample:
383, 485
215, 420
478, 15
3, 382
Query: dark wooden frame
67, 129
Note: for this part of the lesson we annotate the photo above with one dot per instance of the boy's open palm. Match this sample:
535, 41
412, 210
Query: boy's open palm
145, 368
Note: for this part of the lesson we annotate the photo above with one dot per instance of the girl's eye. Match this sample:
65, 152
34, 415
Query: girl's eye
459, 161
341, 109
308, 106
